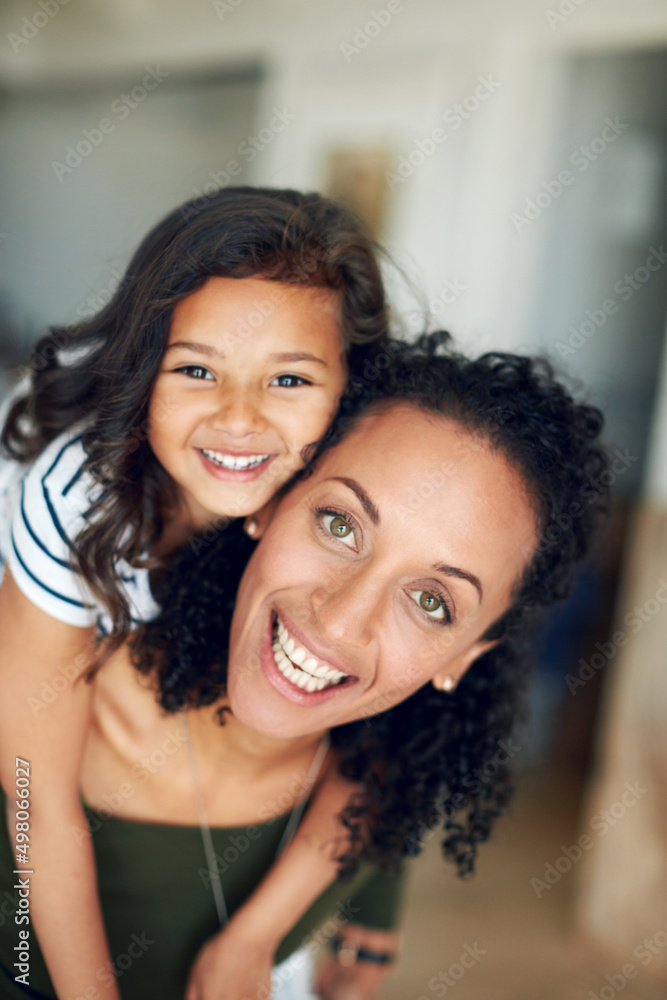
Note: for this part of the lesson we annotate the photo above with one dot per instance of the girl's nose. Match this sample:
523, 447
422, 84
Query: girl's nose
239, 414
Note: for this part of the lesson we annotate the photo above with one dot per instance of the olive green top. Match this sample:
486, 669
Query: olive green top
158, 906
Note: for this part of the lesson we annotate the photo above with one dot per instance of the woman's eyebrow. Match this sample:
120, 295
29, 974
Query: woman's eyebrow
361, 495
461, 574
374, 515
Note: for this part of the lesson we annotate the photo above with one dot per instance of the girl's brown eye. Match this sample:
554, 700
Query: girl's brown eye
289, 381
196, 372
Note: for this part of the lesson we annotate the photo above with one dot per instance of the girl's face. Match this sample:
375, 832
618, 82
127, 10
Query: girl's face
252, 373
377, 574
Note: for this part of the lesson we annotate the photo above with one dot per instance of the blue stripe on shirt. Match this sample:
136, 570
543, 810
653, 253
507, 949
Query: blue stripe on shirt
54, 517
75, 478
61, 597
61, 562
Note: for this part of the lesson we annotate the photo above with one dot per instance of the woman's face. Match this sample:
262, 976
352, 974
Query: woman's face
377, 574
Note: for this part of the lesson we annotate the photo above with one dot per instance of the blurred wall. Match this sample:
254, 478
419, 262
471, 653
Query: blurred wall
78, 199
477, 106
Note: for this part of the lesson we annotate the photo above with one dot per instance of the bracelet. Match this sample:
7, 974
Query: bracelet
349, 954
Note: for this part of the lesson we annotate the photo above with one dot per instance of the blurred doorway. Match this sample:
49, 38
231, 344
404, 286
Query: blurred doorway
601, 316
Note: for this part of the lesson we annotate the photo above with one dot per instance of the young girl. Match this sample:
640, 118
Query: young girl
188, 400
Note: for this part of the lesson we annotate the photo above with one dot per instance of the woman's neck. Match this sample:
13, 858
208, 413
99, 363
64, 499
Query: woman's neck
247, 748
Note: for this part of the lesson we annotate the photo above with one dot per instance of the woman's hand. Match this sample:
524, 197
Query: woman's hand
362, 980
231, 967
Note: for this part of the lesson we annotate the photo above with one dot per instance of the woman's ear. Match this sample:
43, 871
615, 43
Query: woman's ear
449, 676
256, 524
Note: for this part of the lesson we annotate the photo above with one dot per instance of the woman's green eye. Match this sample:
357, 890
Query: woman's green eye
339, 528
430, 603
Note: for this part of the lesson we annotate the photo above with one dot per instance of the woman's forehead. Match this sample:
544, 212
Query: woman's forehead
434, 481
403, 432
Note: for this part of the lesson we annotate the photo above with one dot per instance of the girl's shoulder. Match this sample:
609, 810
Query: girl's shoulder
61, 467
56, 487
43, 508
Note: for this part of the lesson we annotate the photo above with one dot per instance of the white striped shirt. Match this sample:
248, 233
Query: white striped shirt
43, 508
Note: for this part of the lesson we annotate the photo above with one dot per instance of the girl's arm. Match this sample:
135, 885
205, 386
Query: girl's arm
360, 979
236, 963
38, 655
350, 972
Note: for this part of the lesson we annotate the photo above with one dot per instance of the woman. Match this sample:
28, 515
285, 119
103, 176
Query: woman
412, 553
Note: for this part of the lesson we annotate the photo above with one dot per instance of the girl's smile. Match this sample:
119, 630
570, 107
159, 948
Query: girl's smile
235, 467
251, 375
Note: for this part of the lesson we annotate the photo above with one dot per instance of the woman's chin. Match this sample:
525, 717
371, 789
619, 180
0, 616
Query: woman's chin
264, 719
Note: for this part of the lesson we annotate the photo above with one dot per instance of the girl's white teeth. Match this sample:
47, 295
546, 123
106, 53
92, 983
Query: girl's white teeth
234, 461
313, 676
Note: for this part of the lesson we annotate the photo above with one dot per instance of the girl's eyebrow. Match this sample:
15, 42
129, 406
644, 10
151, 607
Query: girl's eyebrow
284, 357
297, 356
190, 345
374, 515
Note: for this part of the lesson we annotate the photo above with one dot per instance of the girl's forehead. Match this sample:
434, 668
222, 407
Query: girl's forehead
255, 313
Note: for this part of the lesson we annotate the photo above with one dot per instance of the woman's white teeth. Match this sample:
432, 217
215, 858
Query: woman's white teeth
306, 672
234, 461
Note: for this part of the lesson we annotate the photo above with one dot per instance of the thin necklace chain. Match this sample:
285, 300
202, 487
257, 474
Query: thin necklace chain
207, 840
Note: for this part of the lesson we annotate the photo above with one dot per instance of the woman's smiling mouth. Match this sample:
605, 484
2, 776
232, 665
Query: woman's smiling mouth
307, 672
294, 669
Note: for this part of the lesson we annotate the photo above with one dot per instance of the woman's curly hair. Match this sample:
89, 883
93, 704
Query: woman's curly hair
433, 758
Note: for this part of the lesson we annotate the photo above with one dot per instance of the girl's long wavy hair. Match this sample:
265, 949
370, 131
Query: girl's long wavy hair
435, 757
101, 372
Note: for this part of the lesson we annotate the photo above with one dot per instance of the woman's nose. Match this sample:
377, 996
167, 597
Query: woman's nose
239, 414
348, 606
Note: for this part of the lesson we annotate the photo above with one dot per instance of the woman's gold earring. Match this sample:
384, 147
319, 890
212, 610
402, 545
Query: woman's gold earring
251, 527
448, 684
